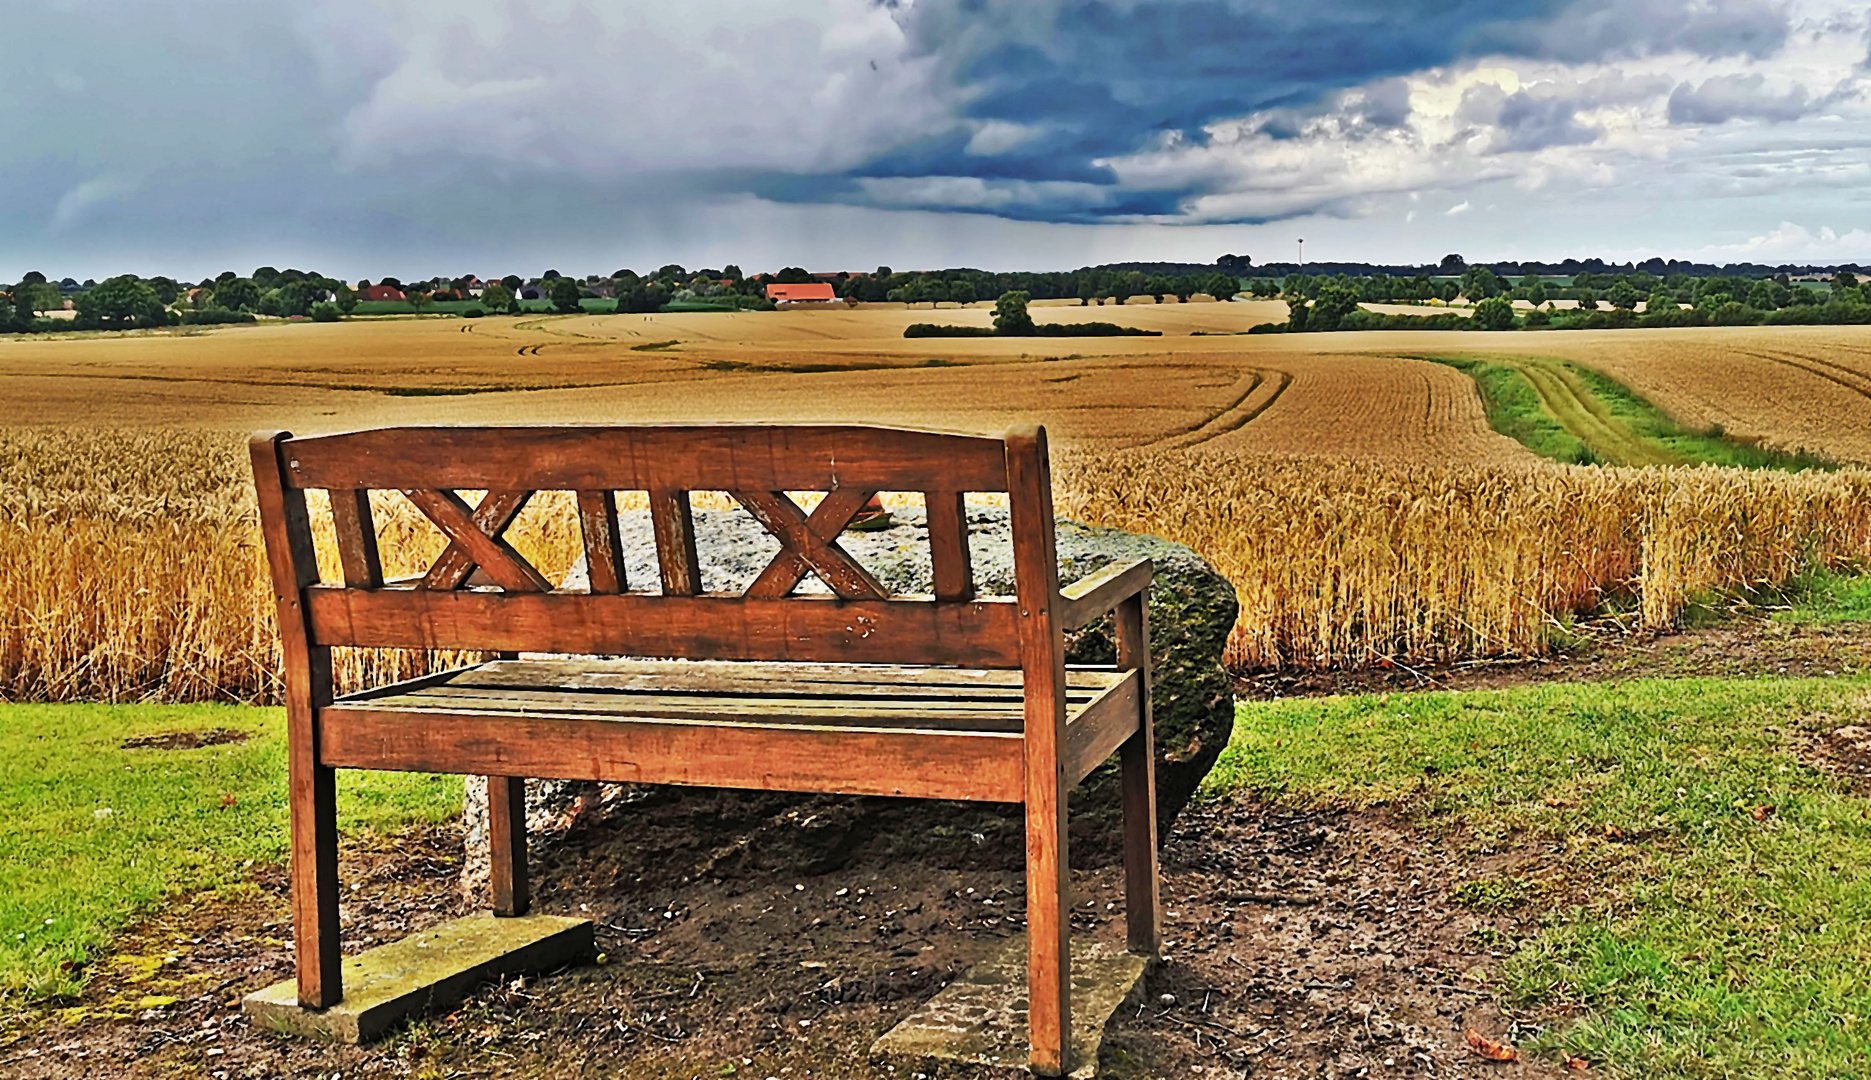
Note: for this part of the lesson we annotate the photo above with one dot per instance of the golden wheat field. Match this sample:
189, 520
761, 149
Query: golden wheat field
1356, 496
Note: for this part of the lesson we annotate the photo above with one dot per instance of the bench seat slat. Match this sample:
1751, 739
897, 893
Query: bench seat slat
978, 766
941, 734
702, 674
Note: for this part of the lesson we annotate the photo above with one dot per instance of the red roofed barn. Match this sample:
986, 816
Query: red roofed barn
817, 292
382, 292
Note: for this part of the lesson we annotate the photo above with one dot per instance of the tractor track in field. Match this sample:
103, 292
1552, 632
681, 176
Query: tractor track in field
1262, 389
1837, 374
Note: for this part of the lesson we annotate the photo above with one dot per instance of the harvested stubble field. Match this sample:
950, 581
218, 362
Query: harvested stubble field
1358, 499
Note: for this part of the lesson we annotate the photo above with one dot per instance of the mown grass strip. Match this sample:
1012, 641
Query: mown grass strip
92, 832
1724, 924
1578, 416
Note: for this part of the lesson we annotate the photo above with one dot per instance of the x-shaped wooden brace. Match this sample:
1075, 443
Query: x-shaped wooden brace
810, 544
475, 540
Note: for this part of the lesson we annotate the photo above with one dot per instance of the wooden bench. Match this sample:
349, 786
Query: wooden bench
950, 696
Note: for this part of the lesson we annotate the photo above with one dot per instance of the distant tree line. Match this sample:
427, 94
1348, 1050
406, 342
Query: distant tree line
1089, 285
1319, 304
1672, 293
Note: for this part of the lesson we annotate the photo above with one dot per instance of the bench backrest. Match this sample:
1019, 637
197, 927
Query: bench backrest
861, 622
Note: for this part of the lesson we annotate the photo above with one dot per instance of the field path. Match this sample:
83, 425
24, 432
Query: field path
1568, 400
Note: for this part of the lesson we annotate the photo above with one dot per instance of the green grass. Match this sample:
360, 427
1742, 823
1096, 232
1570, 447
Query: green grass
1823, 597
1513, 409
91, 833
1706, 446
1575, 415
1697, 940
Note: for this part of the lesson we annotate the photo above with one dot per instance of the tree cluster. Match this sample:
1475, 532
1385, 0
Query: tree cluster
1091, 285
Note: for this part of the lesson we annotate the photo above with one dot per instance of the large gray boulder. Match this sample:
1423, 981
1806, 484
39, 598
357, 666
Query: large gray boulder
1192, 608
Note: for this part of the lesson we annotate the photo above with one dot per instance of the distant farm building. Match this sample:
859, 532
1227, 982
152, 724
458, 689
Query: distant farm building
816, 292
382, 292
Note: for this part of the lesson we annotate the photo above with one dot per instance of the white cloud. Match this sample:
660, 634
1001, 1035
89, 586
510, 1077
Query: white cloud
974, 193
996, 137
1571, 130
632, 89
1797, 243
1456, 210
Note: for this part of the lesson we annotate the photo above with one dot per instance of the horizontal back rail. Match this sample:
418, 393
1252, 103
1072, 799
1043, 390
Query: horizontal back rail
980, 633
719, 458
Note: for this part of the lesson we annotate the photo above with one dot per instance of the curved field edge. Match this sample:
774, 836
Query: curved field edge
1572, 414
1702, 884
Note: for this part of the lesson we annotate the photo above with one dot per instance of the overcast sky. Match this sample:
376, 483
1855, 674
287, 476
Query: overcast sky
420, 137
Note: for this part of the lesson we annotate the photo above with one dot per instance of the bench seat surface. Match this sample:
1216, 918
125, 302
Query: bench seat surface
859, 728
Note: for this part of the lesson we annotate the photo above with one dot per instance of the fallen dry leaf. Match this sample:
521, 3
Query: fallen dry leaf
1577, 1064
228, 799
1761, 812
1490, 1049
1612, 832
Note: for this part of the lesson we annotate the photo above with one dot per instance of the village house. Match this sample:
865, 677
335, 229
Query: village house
816, 292
380, 292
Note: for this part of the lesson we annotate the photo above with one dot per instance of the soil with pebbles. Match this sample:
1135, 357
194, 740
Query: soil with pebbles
1300, 944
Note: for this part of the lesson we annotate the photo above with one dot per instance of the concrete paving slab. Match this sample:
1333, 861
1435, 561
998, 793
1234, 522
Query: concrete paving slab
980, 1018
425, 972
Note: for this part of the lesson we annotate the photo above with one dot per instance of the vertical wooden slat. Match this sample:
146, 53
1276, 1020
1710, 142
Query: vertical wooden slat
604, 543
1042, 650
311, 787
356, 531
1137, 760
948, 545
506, 845
675, 542
506, 839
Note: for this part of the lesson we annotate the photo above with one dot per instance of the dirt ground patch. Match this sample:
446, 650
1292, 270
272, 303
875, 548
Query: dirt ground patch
184, 740
1299, 945
1742, 647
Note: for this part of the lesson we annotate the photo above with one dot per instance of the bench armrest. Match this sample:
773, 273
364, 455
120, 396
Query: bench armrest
1088, 598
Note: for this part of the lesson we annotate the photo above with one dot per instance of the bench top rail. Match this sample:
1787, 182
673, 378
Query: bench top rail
482, 594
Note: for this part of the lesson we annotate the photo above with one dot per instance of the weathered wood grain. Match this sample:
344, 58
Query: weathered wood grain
979, 634
1042, 648
979, 766
311, 785
1086, 601
685, 458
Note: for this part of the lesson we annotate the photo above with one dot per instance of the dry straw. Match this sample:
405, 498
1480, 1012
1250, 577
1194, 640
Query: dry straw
130, 568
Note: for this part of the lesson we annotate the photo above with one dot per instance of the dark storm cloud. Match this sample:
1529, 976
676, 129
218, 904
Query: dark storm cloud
1606, 29
1095, 79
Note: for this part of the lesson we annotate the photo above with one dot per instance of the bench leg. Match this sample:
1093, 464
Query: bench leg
314, 805
1141, 902
506, 844
1048, 936
1137, 759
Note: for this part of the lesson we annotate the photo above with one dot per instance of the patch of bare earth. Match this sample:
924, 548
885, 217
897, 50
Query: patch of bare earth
1747, 646
1301, 945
